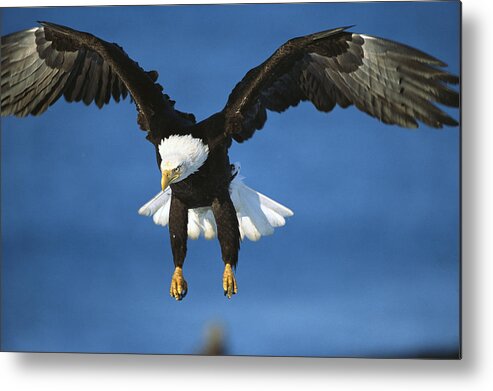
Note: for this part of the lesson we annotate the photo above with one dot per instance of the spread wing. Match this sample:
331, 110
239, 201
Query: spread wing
42, 64
387, 80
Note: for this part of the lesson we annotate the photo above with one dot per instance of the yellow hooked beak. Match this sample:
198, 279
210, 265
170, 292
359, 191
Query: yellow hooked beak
168, 177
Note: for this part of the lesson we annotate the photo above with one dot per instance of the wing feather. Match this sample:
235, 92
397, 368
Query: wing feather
34, 72
42, 64
393, 82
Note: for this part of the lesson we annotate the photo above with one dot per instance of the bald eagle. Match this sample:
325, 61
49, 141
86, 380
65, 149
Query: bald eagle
202, 192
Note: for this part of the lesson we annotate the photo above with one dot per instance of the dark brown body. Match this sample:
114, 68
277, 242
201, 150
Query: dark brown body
208, 187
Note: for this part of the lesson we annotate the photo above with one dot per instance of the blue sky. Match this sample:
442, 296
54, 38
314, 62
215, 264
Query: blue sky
368, 266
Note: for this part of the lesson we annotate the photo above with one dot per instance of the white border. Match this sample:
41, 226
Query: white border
474, 372
58, 3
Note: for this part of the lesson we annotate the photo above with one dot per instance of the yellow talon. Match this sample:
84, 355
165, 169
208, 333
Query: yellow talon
179, 287
229, 282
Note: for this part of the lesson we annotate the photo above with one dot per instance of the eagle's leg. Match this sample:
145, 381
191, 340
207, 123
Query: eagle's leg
230, 286
178, 222
228, 234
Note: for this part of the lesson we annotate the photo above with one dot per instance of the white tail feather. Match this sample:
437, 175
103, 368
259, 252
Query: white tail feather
193, 228
157, 202
257, 214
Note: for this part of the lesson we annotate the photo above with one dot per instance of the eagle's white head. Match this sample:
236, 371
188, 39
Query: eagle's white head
181, 156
